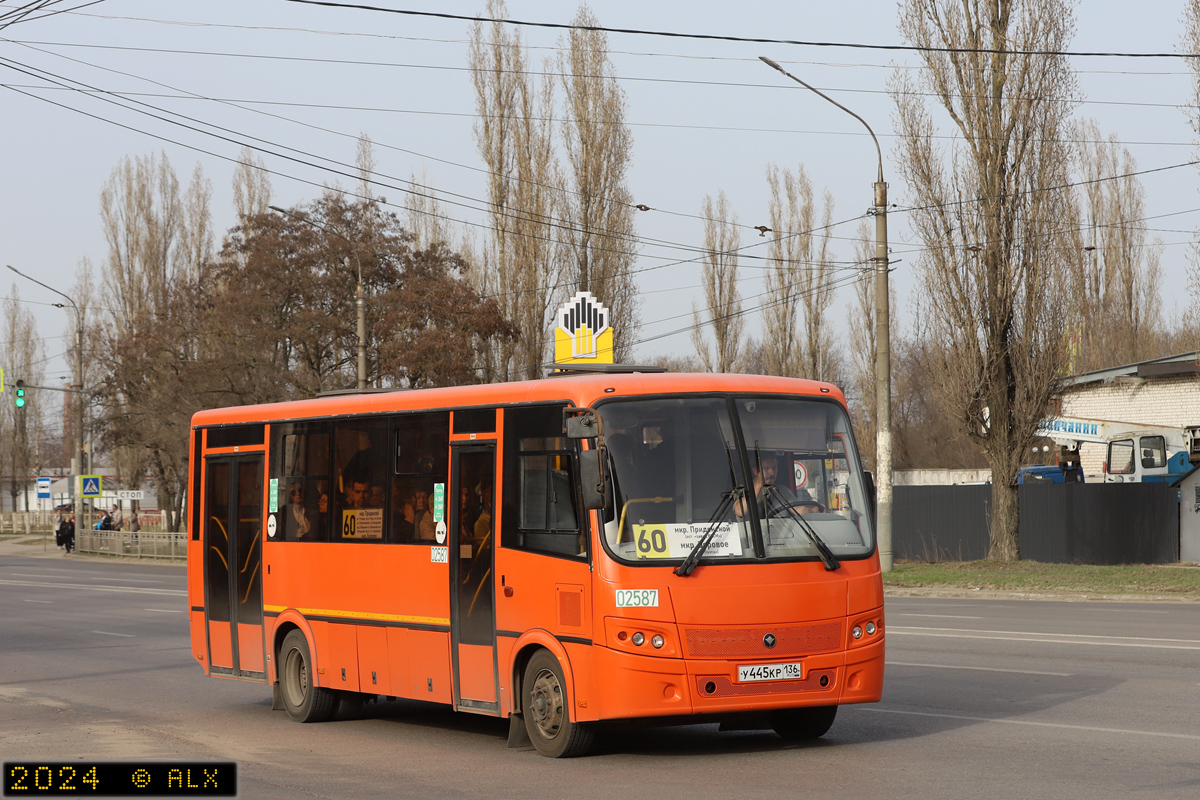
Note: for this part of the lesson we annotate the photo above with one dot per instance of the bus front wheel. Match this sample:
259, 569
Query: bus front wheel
303, 699
546, 712
803, 723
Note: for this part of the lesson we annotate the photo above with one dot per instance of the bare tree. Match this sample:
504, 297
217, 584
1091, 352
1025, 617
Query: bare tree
1189, 336
599, 233
723, 301
21, 349
994, 266
797, 340
519, 267
158, 240
1117, 265
251, 186
141, 212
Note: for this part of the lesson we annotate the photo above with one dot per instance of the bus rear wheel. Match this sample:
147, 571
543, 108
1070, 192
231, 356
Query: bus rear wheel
546, 712
303, 699
803, 723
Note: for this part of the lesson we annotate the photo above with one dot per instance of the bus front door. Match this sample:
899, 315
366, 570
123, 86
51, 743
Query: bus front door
472, 598
233, 515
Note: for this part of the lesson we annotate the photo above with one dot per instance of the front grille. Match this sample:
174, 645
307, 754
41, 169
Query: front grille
724, 687
790, 640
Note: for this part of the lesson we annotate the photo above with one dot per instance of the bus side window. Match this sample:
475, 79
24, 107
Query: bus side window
419, 466
300, 465
359, 498
541, 512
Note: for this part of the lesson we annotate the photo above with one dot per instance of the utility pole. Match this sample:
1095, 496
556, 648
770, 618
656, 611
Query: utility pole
883, 345
77, 461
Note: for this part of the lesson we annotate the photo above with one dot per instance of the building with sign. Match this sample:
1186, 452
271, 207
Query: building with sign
1160, 392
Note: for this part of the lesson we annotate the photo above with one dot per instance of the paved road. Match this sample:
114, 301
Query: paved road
983, 699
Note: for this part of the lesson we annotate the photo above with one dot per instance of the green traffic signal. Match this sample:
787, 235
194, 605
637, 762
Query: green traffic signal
20, 394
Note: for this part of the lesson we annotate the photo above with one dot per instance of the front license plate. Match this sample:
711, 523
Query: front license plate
771, 672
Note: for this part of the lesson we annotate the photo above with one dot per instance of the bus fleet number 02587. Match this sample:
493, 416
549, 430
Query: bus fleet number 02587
637, 598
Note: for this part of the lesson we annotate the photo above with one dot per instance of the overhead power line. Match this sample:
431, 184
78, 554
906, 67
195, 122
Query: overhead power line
540, 73
556, 48
728, 38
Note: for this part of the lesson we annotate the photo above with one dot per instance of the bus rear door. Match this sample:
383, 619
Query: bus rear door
233, 518
472, 599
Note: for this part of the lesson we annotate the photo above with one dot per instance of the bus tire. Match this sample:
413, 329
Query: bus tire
803, 723
302, 698
547, 713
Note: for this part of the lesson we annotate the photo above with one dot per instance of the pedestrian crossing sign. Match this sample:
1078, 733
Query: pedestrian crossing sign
91, 485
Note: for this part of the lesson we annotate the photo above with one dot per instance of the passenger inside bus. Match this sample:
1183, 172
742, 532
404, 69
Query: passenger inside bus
298, 522
358, 491
422, 516
772, 498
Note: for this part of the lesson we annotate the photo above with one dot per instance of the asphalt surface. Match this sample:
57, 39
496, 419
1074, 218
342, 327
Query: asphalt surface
984, 698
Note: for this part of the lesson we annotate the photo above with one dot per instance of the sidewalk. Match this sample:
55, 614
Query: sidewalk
40, 545
31, 546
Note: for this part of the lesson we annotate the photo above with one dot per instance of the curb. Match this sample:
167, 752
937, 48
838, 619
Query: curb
1002, 594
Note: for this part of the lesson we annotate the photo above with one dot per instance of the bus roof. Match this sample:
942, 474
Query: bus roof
581, 389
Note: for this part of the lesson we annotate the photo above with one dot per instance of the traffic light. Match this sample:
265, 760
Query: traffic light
20, 394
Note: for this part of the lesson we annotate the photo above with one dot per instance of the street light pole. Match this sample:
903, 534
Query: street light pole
77, 466
883, 345
359, 303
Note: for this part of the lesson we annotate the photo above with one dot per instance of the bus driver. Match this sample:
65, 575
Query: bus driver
772, 499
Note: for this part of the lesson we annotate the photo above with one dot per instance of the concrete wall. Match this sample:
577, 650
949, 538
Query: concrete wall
940, 477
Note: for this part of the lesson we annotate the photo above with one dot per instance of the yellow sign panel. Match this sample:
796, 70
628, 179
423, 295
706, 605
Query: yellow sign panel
362, 523
582, 334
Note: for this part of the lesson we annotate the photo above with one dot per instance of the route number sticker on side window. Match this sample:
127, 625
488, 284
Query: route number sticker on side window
637, 598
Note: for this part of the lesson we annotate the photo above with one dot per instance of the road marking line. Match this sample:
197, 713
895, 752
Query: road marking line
27, 600
939, 616
130, 589
107, 633
981, 669
1049, 638
165, 610
1031, 723
91, 577
1126, 610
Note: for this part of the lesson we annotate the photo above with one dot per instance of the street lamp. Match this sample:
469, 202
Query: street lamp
883, 345
77, 466
362, 313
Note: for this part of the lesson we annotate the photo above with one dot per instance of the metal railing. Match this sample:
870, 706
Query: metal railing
144, 544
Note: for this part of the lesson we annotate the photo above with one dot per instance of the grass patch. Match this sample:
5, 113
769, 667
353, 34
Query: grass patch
1032, 576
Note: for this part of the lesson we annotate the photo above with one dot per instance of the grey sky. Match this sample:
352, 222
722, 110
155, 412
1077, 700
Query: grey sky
691, 137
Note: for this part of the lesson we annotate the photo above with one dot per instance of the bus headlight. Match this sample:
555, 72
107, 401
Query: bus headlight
657, 641
857, 632
870, 628
637, 638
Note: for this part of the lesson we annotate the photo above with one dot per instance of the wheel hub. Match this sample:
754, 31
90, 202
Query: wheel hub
547, 704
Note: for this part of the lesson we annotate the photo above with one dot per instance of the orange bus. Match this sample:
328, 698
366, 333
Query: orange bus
597, 547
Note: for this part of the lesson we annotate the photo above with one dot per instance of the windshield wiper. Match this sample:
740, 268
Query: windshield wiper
827, 557
714, 524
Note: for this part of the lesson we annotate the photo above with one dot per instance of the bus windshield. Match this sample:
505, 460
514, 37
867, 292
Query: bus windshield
755, 471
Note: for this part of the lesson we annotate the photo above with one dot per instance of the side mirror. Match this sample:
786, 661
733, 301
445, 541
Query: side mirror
583, 425
591, 479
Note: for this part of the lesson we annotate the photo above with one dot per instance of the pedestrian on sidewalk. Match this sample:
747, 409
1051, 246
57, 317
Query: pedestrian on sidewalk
69, 533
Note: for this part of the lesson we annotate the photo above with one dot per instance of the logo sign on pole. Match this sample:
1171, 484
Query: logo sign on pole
583, 335
91, 485
43, 486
